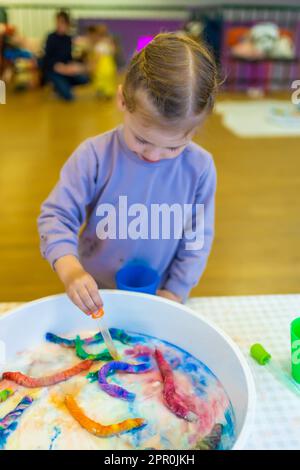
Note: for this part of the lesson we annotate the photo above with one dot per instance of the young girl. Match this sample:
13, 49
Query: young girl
150, 160
102, 62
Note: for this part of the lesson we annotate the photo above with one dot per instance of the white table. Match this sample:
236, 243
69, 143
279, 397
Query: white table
265, 319
262, 319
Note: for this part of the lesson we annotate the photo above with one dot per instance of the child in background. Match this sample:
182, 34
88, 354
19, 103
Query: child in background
168, 91
102, 61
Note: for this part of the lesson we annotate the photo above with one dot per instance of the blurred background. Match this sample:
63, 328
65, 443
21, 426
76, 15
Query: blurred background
254, 132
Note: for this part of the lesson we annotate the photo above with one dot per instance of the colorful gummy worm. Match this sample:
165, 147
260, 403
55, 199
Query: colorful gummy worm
172, 399
5, 394
120, 335
115, 366
71, 343
32, 382
93, 376
211, 441
10, 422
116, 334
140, 350
103, 356
99, 429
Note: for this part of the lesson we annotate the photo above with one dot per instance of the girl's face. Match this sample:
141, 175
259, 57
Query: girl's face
150, 143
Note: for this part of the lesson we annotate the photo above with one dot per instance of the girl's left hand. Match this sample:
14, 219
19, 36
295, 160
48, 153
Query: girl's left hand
168, 295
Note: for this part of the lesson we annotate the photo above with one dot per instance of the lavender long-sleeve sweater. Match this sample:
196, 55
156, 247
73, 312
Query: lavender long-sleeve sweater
101, 170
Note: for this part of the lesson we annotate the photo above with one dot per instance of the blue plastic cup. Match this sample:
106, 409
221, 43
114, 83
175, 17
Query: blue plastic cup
137, 278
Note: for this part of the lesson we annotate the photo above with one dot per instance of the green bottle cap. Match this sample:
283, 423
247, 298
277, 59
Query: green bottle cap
295, 349
258, 352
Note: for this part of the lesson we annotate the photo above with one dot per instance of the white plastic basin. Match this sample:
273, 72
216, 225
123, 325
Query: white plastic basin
26, 326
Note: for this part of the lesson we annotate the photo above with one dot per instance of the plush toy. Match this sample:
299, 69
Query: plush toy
246, 50
264, 40
264, 37
283, 48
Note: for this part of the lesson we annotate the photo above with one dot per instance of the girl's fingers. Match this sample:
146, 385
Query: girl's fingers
94, 293
77, 301
87, 300
168, 295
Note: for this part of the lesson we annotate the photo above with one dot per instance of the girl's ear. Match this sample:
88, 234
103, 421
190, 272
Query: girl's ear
120, 99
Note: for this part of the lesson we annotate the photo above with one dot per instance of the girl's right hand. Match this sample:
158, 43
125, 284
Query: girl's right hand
80, 286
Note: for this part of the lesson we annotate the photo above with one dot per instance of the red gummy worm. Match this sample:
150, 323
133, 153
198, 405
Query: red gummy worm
32, 382
173, 401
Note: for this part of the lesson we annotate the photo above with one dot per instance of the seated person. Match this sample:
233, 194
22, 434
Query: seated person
58, 65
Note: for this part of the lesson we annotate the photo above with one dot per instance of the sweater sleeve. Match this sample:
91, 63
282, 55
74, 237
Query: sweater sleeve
64, 211
192, 254
49, 57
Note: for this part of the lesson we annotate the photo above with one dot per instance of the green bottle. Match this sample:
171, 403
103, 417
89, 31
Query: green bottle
295, 349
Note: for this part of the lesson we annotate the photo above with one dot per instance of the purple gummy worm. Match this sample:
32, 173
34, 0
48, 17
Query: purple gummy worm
114, 366
9, 423
15, 414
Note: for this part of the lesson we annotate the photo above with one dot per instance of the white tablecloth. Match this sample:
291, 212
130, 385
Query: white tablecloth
265, 319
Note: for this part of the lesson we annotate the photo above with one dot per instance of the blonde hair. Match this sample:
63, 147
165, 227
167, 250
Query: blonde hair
179, 76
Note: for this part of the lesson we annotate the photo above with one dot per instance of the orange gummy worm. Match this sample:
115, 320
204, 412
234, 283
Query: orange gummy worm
99, 429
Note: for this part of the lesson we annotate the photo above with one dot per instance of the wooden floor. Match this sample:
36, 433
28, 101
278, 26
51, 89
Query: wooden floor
257, 244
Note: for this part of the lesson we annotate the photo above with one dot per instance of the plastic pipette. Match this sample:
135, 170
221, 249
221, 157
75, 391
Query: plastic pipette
106, 334
262, 357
